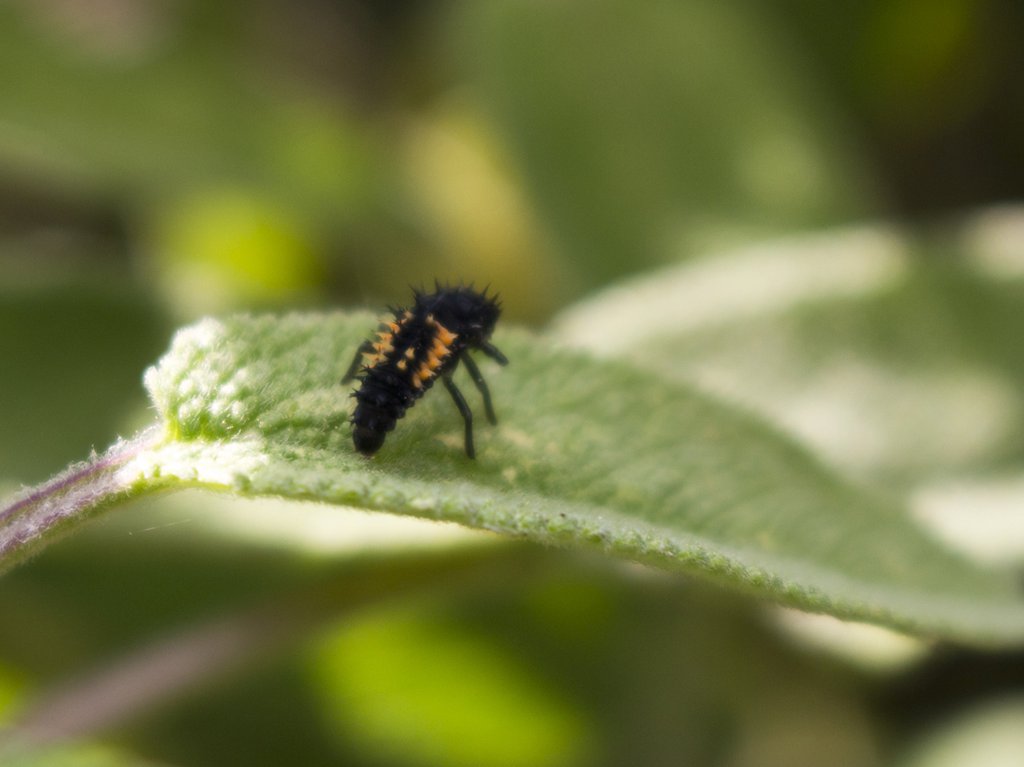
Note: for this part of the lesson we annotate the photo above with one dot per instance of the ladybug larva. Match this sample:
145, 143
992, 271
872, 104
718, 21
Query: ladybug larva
413, 349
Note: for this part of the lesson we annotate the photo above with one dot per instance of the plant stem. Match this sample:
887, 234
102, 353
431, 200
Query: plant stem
39, 514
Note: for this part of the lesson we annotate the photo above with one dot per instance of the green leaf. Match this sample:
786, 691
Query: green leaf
587, 453
893, 355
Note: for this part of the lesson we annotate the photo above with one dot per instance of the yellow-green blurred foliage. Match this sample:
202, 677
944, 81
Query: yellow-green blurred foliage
165, 159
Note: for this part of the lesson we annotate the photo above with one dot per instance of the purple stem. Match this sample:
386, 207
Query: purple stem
38, 513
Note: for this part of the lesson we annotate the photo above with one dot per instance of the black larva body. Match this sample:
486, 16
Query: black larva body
413, 349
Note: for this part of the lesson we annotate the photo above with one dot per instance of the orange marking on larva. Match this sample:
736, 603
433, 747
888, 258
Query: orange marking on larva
444, 335
439, 348
401, 365
410, 353
424, 373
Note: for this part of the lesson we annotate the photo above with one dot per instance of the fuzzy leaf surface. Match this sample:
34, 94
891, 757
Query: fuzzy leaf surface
587, 453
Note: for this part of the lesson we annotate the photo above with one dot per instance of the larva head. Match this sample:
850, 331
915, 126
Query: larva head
466, 312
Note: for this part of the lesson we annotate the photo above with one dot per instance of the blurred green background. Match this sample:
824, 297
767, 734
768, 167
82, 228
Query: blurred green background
165, 159
162, 160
